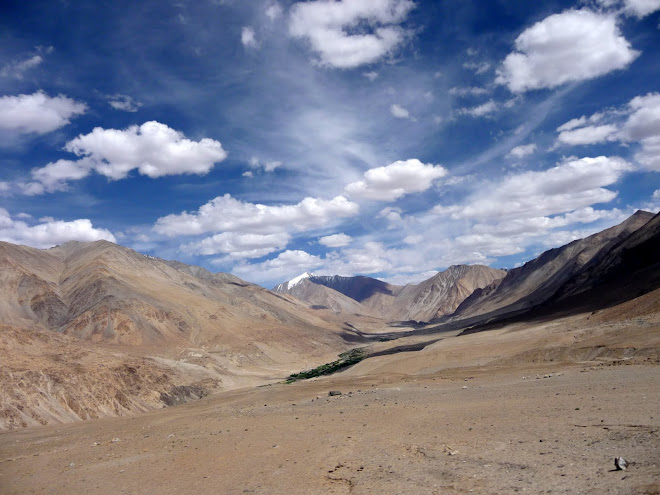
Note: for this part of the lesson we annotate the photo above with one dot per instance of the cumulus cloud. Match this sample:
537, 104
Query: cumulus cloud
335, 240
399, 112
587, 135
268, 166
55, 176
330, 28
638, 121
237, 245
480, 110
248, 37
372, 75
37, 113
522, 151
656, 194
396, 180
226, 214
574, 184
637, 8
50, 232
124, 103
287, 265
575, 45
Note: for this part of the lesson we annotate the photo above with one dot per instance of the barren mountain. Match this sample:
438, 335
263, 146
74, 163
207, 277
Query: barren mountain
538, 280
628, 270
440, 295
191, 323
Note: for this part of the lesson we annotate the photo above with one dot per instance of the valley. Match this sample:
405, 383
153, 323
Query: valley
130, 374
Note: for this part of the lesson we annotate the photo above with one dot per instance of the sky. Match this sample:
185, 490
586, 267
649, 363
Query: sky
388, 138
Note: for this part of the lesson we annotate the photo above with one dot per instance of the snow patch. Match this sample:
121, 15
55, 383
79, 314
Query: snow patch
295, 281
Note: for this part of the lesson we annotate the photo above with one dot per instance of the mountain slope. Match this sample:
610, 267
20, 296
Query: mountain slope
538, 280
442, 294
127, 308
437, 296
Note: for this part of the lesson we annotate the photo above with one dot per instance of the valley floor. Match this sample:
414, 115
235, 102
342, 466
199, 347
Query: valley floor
541, 407
507, 432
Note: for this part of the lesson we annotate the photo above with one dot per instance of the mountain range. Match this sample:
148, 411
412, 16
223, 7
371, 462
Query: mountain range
96, 329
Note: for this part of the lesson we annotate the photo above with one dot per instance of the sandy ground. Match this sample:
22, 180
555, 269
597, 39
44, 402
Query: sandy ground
533, 408
506, 432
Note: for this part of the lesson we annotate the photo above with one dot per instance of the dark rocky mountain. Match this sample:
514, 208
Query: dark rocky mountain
578, 264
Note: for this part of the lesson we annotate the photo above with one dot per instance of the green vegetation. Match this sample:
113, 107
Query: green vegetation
346, 359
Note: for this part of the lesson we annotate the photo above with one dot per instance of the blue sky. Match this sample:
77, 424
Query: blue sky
391, 138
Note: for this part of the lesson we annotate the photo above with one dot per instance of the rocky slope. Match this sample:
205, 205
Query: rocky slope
437, 296
537, 281
124, 308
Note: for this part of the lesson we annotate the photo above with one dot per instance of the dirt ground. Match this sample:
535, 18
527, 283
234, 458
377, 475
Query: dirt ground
507, 432
533, 408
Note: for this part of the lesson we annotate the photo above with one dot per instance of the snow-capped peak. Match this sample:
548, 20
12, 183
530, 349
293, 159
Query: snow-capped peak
295, 281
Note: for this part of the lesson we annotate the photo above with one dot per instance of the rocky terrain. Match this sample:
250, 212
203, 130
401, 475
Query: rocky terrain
438, 296
538, 281
536, 408
101, 303
531, 380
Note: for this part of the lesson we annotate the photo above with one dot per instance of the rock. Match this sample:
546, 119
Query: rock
620, 463
464, 387
333, 393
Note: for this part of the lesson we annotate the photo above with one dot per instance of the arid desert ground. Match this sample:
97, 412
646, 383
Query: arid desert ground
541, 407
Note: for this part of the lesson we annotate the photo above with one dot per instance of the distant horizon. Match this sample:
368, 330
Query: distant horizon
385, 138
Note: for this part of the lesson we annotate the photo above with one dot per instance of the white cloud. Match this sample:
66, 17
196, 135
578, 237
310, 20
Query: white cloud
572, 124
587, 135
575, 45
248, 173
396, 180
480, 110
248, 37
54, 176
335, 240
274, 11
656, 194
642, 8
287, 265
50, 232
522, 151
38, 112
124, 103
226, 214
574, 184
399, 112
16, 69
372, 76
638, 121
328, 25
637, 8
467, 91
477, 67
238, 245
154, 149
268, 166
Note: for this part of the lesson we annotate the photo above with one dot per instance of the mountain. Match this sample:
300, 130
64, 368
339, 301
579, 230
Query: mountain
537, 281
437, 296
628, 270
139, 312
443, 293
